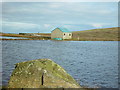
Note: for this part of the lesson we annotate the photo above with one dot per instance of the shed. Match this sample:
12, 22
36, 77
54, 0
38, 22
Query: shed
61, 33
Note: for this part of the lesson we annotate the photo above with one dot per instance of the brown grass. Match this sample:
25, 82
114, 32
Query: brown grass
105, 34
43, 37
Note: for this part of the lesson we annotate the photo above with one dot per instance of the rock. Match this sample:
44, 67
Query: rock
41, 73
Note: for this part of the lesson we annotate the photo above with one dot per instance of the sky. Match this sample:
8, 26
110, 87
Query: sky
43, 17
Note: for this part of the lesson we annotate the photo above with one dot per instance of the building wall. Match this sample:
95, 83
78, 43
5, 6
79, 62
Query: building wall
57, 34
67, 35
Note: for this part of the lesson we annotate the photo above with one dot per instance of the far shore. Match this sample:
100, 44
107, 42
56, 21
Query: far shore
63, 40
104, 34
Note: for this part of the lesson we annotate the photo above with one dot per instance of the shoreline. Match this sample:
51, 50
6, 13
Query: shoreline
103, 34
62, 40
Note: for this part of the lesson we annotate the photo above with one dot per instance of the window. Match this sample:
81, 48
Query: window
64, 33
69, 34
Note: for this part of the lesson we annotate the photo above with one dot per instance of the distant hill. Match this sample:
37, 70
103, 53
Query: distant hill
104, 34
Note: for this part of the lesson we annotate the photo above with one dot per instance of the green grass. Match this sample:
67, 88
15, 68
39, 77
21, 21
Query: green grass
104, 34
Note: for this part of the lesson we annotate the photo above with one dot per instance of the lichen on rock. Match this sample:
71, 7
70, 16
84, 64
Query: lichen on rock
41, 73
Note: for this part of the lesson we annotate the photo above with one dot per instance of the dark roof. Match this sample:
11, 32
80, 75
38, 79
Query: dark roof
63, 29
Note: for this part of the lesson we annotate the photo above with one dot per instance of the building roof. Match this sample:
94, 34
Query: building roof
63, 29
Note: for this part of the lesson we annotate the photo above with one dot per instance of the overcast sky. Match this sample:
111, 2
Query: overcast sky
45, 16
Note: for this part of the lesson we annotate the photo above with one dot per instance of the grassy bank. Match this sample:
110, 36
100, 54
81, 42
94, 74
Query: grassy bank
104, 34
24, 36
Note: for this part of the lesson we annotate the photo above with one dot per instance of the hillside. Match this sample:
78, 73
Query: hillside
104, 34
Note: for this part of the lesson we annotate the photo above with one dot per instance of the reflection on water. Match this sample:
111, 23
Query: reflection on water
91, 63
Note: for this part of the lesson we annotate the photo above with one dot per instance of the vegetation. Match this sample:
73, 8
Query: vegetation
104, 34
42, 37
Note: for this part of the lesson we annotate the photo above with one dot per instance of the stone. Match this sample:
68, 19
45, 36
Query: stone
41, 73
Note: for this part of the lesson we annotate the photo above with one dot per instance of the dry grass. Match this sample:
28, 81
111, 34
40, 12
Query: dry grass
43, 37
105, 34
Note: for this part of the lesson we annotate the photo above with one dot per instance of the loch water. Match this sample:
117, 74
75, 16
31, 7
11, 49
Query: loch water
92, 63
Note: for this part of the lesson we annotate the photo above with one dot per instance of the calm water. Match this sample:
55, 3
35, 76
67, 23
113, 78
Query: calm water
91, 63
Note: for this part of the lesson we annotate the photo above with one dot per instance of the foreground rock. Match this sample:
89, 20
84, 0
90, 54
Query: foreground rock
41, 73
